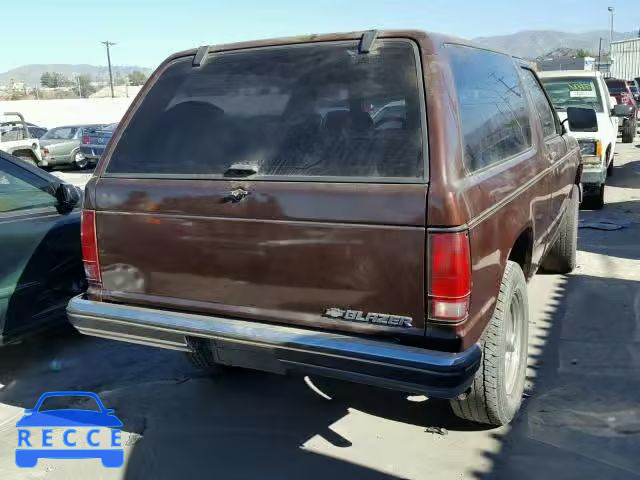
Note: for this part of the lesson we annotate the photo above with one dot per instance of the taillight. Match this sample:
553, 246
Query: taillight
45, 151
449, 276
89, 242
85, 140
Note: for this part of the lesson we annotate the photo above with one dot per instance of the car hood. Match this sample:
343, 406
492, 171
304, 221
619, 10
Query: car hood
69, 418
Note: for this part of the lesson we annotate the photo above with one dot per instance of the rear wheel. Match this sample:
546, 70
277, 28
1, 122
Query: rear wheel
496, 393
562, 255
79, 160
598, 200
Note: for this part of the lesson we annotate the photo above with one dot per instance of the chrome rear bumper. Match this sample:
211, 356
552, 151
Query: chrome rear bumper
279, 348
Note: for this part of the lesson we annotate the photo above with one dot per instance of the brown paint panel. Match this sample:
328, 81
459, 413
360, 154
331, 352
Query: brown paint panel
285, 253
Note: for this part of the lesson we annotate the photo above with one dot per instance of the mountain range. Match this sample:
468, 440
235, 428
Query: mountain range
531, 44
30, 74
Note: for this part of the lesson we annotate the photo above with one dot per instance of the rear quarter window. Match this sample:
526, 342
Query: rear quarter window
494, 113
291, 111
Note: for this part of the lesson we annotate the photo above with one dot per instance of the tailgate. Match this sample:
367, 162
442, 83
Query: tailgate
100, 137
283, 254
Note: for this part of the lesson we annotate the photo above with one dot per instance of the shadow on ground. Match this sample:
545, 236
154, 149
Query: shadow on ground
242, 425
583, 417
626, 175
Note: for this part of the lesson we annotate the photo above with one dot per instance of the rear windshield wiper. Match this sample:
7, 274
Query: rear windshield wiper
241, 169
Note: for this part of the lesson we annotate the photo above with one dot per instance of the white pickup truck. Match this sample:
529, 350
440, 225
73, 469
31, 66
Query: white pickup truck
16, 139
577, 88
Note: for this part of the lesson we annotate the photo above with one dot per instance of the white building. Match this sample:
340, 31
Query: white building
625, 59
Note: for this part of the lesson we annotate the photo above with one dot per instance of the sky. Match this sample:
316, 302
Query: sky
147, 31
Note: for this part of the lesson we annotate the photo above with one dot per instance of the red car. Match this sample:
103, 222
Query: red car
623, 94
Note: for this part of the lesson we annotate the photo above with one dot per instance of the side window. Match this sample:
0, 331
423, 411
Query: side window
22, 190
540, 102
493, 110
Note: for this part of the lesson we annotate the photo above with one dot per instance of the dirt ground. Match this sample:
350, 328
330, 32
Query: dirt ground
580, 420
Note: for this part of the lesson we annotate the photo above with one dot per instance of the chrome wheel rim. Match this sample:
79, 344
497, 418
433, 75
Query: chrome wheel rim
80, 160
513, 329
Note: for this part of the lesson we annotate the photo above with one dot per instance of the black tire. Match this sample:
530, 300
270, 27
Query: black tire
628, 134
496, 393
79, 160
561, 257
597, 202
201, 357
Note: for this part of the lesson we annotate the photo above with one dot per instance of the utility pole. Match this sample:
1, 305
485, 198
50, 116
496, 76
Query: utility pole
600, 55
77, 79
612, 12
108, 44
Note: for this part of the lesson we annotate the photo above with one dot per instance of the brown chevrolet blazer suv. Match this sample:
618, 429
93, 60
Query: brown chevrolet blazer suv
362, 206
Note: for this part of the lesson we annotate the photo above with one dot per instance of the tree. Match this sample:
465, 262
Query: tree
86, 88
54, 80
45, 79
581, 53
137, 78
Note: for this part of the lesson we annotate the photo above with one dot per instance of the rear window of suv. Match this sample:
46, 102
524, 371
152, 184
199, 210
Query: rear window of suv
291, 111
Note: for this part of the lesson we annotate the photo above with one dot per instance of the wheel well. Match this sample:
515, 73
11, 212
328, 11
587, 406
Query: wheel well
24, 153
521, 251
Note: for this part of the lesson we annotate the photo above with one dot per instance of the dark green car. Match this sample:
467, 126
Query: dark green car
61, 146
41, 260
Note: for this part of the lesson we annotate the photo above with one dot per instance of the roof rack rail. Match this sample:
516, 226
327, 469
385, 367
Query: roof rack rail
367, 39
201, 56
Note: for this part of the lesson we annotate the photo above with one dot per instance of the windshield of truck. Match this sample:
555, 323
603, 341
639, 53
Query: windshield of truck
573, 92
290, 111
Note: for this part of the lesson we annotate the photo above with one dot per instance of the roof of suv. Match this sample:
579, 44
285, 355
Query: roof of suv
435, 39
569, 73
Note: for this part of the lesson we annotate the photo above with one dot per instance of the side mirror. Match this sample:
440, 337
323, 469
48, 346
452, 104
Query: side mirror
67, 196
622, 110
582, 119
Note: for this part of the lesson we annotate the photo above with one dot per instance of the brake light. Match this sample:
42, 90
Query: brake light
89, 242
85, 140
45, 151
449, 276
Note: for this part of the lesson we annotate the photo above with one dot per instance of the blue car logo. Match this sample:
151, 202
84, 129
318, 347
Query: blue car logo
101, 440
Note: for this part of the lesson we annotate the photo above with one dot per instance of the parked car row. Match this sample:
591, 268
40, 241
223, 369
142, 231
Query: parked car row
70, 145
279, 220
590, 90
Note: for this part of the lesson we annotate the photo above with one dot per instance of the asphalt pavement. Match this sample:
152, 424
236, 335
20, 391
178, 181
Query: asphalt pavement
580, 419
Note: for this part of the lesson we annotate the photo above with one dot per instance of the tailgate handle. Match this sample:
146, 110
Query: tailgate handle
236, 195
